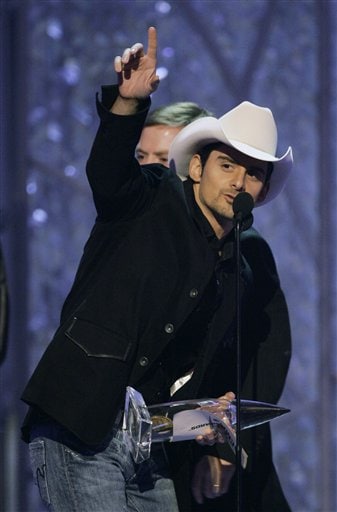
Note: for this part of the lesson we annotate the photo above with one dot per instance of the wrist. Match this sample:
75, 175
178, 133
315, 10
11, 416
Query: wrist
125, 106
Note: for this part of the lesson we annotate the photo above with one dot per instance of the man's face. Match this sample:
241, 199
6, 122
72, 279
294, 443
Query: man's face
226, 173
154, 144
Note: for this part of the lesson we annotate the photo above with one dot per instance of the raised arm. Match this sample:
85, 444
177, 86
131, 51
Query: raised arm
119, 187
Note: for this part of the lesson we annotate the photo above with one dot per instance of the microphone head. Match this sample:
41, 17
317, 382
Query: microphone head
243, 204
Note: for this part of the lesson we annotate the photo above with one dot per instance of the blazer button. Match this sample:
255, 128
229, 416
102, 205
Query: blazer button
143, 361
169, 328
194, 293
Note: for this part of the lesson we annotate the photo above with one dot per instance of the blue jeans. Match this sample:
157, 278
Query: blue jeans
73, 477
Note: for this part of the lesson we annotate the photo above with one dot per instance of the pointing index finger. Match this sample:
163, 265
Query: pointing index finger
152, 43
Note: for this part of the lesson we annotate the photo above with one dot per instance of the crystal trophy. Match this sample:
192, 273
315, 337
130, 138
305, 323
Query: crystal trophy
184, 420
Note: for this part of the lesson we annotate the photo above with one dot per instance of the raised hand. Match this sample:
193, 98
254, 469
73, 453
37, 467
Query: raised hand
136, 70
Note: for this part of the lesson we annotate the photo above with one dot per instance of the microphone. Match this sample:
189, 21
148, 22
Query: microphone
242, 207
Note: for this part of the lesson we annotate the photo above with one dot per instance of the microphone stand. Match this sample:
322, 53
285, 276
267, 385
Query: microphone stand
242, 207
238, 448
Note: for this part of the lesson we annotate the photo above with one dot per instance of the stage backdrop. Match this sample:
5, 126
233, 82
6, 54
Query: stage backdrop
277, 53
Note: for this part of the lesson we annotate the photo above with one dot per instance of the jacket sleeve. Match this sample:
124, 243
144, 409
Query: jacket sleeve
120, 188
266, 329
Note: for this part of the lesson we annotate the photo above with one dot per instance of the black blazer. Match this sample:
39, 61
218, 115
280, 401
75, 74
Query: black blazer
144, 268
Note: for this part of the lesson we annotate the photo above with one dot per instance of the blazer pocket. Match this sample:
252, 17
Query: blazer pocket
96, 341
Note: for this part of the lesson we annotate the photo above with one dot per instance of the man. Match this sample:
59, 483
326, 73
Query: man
161, 126
204, 165
153, 300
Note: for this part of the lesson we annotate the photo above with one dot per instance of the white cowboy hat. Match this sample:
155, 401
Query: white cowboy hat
248, 128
